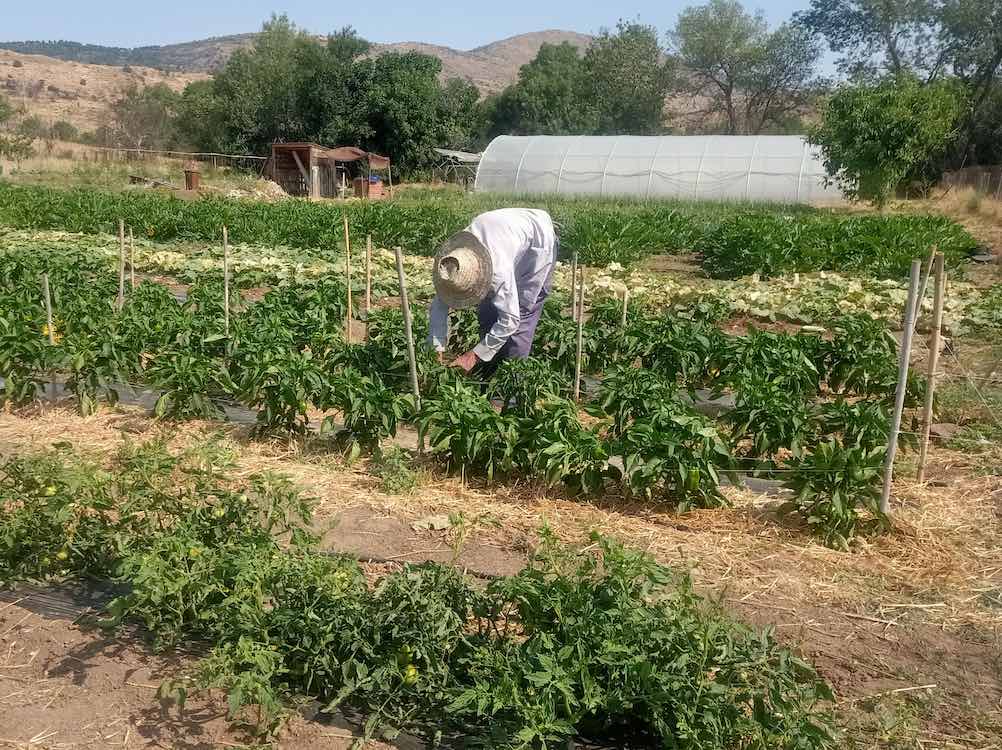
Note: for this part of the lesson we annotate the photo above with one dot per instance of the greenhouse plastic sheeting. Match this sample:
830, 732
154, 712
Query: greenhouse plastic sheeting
778, 168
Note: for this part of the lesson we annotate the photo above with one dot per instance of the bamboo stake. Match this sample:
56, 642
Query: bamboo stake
132, 260
406, 309
226, 280
120, 300
577, 363
899, 401
368, 274
939, 293
347, 276
52, 331
626, 304
574, 281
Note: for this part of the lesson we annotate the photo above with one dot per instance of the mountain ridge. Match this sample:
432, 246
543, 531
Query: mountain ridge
490, 66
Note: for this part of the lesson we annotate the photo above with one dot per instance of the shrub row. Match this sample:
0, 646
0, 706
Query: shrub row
732, 240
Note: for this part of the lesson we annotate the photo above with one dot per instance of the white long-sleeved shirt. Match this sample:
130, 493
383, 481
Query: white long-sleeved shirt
523, 247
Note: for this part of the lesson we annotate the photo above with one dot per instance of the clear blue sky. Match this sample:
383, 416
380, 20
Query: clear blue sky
448, 22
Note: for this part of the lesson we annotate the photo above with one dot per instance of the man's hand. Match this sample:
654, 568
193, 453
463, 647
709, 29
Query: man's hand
465, 362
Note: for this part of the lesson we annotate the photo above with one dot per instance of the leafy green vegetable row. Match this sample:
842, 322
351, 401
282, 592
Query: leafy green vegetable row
611, 647
734, 241
285, 354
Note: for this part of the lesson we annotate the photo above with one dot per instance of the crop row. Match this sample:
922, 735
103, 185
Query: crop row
733, 242
285, 356
610, 646
799, 298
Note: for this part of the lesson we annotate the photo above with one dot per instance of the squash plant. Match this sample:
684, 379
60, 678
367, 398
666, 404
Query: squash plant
676, 455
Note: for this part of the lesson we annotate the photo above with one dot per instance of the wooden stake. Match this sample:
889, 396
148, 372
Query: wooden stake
406, 309
899, 401
368, 274
626, 304
577, 363
226, 280
574, 281
939, 293
120, 300
52, 332
347, 276
132, 261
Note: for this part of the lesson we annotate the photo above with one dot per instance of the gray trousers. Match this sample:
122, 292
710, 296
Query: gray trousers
519, 346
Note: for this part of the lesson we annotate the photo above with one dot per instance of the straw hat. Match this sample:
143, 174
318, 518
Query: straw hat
463, 270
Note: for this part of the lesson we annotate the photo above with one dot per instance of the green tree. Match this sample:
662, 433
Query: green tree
334, 93
62, 130
32, 127
876, 137
403, 106
146, 117
260, 88
628, 75
458, 114
13, 145
876, 37
752, 79
552, 96
202, 118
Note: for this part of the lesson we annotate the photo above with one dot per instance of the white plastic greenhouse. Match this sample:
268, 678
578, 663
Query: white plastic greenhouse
778, 168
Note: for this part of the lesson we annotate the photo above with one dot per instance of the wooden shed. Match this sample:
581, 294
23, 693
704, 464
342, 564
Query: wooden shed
308, 169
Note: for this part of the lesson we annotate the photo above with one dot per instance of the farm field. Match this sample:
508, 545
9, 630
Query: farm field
732, 427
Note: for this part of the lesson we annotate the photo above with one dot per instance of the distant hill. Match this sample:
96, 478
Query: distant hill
491, 67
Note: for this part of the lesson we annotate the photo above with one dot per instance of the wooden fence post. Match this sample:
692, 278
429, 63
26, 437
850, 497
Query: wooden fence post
899, 401
574, 281
411, 356
226, 280
939, 292
580, 347
626, 304
368, 275
46, 292
132, 260
347, 277
120, 300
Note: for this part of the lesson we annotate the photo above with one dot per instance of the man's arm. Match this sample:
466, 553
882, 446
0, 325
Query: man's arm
438, 325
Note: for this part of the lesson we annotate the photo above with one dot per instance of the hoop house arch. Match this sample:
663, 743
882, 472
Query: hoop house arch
777, 168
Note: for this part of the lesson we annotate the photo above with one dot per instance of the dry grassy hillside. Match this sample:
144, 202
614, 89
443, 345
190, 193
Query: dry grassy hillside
56, 89
493, 66
75, 92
